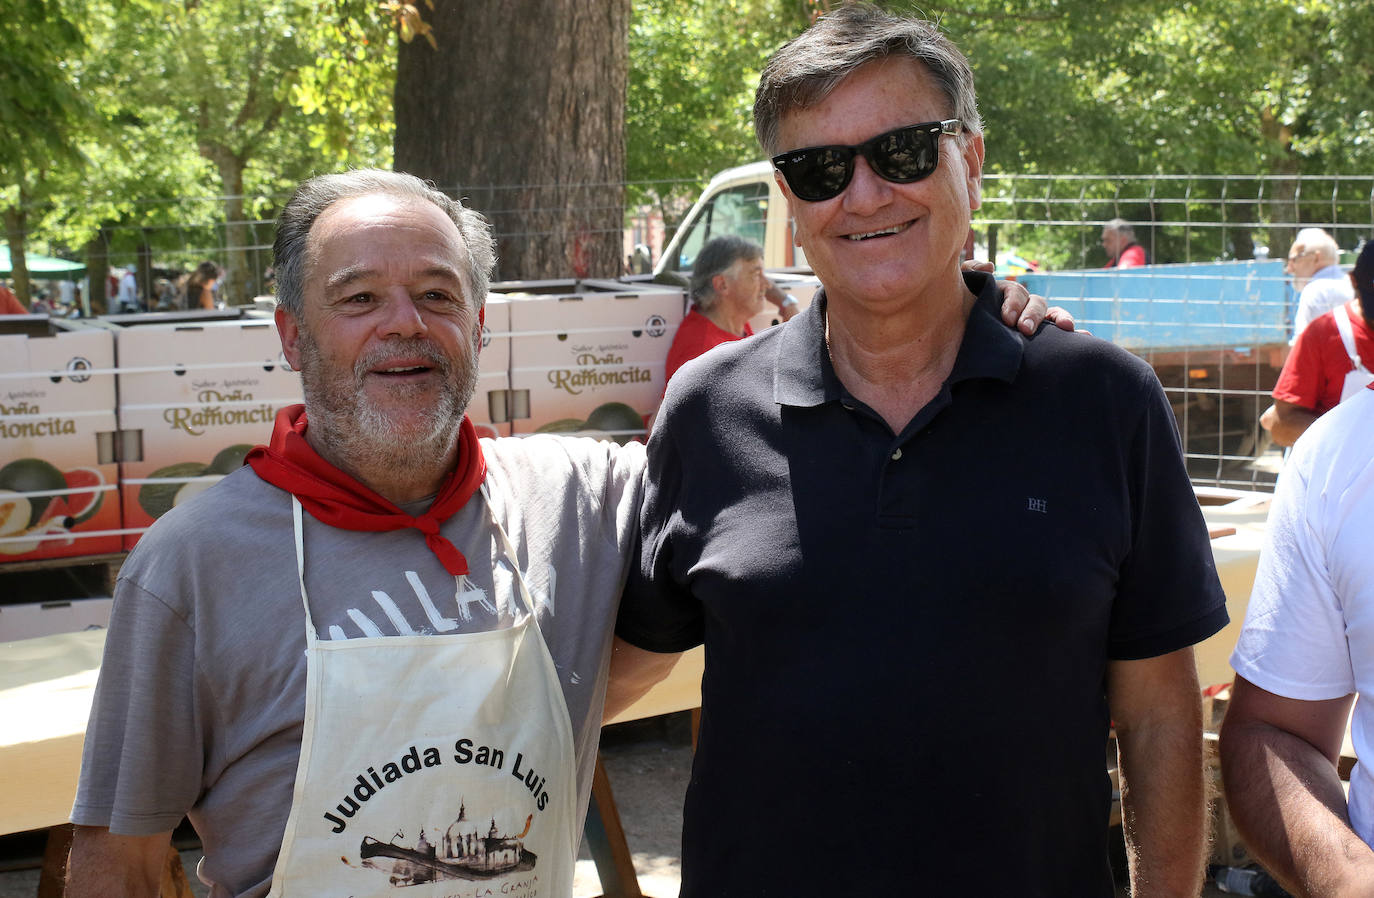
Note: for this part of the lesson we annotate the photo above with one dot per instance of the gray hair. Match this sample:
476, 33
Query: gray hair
317, 194
1315, 240
806, 69
1120, 226
715, 258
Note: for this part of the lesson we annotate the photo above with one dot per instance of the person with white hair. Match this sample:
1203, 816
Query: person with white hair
1118, 239
1320, 283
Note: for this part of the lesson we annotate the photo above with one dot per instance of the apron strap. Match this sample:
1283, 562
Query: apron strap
1342, 317
299, 533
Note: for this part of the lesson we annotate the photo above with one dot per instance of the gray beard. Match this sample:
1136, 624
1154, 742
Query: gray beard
358, 437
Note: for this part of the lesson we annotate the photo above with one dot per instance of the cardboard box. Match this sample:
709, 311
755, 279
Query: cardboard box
489, 409
34, 619
196, 391
58, 478
591, 362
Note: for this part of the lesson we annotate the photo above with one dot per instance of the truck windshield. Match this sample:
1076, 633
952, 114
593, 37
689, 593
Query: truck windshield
742, 211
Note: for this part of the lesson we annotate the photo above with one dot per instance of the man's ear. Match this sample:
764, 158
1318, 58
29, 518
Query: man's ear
791, 212
289, 330
972, 151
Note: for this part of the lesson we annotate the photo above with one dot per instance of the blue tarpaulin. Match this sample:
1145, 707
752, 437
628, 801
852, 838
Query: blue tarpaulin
1234, 304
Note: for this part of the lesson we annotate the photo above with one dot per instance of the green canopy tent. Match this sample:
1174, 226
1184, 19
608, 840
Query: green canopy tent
42, 268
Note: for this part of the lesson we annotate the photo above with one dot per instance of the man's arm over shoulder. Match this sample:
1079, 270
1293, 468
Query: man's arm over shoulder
108, 865
1278, 764
1156, 705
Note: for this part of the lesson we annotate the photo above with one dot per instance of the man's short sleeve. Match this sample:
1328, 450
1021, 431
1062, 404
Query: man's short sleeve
1168, 594
1294, 642
142, 764
658, 612
1300, 381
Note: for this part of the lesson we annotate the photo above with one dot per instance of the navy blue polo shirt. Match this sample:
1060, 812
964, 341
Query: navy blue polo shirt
907, 634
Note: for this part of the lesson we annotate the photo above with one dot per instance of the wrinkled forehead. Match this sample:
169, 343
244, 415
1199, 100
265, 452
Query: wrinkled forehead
415, 226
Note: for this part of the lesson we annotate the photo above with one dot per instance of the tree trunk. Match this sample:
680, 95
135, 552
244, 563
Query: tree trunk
98, 272
143, 271
14, 235
521, 113
234, 289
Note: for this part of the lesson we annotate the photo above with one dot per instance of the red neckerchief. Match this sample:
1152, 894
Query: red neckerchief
334, 498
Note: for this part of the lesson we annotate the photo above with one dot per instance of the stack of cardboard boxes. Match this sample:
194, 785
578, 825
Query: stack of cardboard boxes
58, 477
105, 425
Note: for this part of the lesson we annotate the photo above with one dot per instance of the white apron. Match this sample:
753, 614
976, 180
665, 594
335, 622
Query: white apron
1359, 376
432, 765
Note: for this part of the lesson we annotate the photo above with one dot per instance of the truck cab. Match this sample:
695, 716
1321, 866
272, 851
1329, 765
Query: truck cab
744, 201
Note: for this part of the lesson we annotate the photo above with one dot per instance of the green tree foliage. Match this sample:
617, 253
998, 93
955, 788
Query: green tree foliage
693, 70
206, 114
41, 106
1275, 89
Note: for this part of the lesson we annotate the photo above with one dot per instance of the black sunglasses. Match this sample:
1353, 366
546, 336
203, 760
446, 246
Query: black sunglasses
903, 156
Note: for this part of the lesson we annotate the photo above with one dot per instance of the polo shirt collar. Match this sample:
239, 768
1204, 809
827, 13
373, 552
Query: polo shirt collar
804, 376
1330, 271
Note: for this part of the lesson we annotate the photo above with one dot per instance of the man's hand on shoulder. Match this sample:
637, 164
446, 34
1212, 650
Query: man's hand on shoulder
1022, 309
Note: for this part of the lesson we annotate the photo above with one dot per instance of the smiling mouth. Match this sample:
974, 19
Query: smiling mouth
402, 370
885, 232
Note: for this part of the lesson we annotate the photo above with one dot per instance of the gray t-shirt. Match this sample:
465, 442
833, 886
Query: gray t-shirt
200, 705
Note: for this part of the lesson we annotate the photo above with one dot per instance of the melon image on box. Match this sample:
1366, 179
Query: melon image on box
592, 362
488, 409
196, 392
58, 477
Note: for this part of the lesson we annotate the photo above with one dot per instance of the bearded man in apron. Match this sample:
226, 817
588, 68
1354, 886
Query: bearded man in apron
371, 662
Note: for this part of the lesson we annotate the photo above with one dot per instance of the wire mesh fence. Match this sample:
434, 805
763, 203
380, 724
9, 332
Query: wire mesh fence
1212, 313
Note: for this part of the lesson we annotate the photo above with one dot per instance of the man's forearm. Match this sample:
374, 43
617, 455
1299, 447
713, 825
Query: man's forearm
105, 865
1288, 803
1290, 422
1163, 806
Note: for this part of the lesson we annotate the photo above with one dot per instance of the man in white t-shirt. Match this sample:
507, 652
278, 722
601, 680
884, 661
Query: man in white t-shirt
127, 297
1320, 283
1305, 653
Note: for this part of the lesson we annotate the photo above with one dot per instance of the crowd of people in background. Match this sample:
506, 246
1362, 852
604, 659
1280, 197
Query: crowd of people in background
168, 292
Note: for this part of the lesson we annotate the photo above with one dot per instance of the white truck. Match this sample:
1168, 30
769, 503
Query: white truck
744, 201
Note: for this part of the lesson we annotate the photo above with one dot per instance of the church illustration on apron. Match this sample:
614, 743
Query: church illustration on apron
464, 853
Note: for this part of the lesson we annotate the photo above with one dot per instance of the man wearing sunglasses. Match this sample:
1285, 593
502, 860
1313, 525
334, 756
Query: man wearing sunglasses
881, 700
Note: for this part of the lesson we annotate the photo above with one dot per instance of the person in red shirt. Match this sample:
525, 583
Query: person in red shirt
728, 288
1331, 358
1118, 239
9, 303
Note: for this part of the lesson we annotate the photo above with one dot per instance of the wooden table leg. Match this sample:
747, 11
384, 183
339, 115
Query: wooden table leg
52, 881
606, 839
